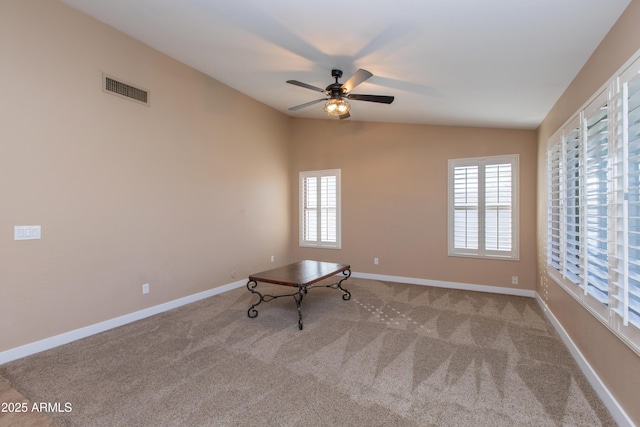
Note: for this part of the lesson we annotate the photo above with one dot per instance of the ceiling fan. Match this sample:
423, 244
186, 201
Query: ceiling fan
336, 104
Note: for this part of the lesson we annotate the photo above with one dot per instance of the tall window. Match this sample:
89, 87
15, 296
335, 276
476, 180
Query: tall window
483, 207
593, 207
320, 209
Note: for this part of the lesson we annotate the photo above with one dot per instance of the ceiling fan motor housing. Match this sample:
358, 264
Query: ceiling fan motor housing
335, 89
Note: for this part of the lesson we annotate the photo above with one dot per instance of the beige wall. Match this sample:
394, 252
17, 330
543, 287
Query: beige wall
182, 194
615, 363
394, 196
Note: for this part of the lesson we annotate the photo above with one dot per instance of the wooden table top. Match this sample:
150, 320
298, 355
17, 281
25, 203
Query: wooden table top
299, 273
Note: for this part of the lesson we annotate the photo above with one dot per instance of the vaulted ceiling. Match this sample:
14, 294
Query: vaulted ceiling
491, 63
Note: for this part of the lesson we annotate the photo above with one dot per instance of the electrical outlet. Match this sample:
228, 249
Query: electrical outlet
375, 261
273, 258
145, 288
514, 280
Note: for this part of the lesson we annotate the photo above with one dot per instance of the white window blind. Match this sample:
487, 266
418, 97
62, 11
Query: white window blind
320, 208
593, 216
483, 207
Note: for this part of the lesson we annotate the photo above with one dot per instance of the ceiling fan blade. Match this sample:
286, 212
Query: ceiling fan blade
357, 78
298, 107
383, 99
344, 116
305, 85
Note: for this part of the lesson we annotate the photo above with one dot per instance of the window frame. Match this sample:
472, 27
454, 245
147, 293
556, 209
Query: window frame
481, 251
318, 242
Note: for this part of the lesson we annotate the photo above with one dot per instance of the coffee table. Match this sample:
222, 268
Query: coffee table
301, 275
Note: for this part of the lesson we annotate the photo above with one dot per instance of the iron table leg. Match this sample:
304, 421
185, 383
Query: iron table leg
298, 298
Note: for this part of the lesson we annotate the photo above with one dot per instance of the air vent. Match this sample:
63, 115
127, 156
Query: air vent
119, 88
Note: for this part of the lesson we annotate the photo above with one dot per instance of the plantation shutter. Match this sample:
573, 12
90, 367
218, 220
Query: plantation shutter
328, 211
483, 207
593, 217
498, 207
573, 204
554, 213
466, 207
310, 208
626, 277
320, 208
633, 200
596, 149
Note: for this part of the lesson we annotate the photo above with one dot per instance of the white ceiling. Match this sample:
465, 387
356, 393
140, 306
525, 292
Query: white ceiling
490, 63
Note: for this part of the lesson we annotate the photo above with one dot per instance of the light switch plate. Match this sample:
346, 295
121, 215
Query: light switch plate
27, 232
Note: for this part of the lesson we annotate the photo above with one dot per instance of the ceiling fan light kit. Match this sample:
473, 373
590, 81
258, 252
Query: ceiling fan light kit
337, 107
336, 104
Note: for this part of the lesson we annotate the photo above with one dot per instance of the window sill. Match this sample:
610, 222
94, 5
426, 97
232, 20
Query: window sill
491, 257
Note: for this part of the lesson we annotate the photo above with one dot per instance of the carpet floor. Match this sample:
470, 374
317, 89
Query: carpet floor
393, 355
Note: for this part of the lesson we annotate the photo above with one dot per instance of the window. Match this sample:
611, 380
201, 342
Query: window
483, 207
320, 209
593, 206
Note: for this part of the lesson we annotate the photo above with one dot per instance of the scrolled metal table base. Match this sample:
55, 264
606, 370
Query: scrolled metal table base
297, 296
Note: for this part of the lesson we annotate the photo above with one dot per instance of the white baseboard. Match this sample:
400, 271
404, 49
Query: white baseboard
449, 285
67, 337
618, 414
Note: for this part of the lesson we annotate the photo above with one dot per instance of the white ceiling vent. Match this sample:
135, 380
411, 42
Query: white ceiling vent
117, 87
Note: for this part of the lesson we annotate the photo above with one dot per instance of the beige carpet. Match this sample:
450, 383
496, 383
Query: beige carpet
394, 355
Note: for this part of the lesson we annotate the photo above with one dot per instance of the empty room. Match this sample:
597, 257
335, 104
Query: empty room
286, 213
